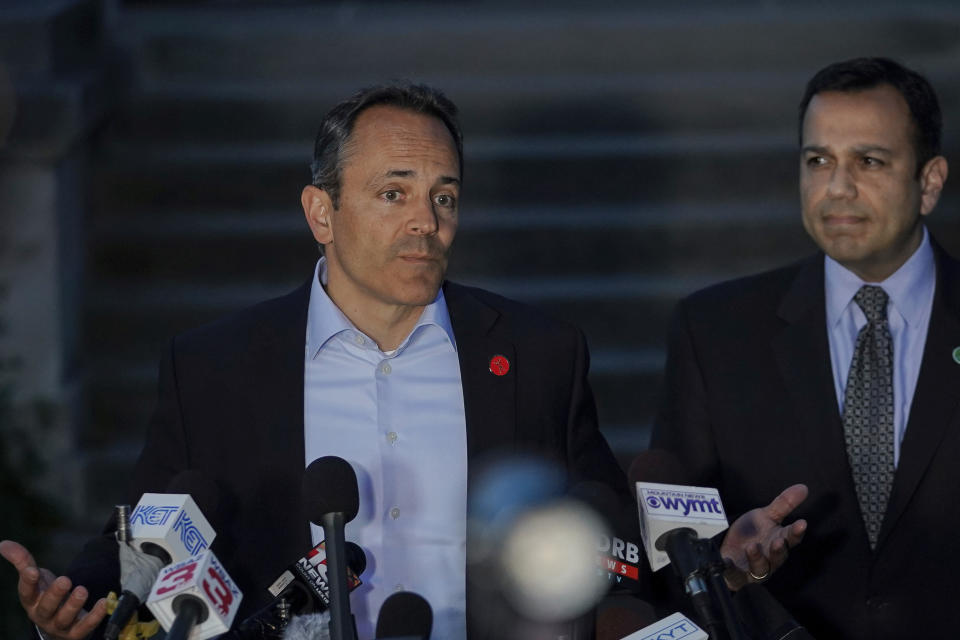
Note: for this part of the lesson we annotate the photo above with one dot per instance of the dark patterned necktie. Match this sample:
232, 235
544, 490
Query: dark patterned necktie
868, 411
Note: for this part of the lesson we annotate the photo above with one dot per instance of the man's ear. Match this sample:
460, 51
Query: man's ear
932, 178
317, 207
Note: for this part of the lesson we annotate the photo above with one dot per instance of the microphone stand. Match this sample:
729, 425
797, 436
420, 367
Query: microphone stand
341, 624
700, 567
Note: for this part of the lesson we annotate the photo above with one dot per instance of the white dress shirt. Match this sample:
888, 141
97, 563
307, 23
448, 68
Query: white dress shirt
910, 290
398, 419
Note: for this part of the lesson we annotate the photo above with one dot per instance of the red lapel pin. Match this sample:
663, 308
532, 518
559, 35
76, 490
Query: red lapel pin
499, 365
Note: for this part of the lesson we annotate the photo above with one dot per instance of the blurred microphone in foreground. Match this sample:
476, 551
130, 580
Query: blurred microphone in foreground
533, 557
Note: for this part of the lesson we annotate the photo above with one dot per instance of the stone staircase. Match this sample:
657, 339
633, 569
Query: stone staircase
616, 159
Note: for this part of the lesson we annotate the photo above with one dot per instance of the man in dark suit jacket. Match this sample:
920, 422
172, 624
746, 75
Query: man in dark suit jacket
754, 396
232, 394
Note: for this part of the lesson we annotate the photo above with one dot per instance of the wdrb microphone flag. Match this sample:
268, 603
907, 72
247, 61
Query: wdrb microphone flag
201, 579
171, 521
665, 507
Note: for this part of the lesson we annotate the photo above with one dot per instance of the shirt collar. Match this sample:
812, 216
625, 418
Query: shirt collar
325, 319
908, 287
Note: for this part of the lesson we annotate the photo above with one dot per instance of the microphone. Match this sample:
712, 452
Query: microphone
404, 615
332, 499
301, 591
677, 524
195, 598
148, 538
170, 525
304, 583
668, 506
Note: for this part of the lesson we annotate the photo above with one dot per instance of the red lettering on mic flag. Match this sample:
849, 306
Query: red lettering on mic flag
614, 566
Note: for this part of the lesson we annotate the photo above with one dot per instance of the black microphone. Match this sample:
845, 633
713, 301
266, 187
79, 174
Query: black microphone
331, 500
404, 615
695, 560
298, 592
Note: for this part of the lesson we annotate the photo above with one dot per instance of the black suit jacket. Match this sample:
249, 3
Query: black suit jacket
231, 405
750, 407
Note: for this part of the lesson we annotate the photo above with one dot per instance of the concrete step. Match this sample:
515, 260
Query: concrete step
521, 171
370, 42
598, 102
258, 246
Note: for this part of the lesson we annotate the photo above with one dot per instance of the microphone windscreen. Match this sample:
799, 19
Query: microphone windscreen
201, 488
356, 558
313, 626
656, 465
404, 615
138, 570
330, 486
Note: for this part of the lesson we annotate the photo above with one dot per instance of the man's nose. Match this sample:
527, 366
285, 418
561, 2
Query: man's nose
423, 219
842, 184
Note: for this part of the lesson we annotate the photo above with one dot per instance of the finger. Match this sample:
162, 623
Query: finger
17, 555
795, 533
760, 566
51, 599
788, 500
66, 615
46, 578
28, 586
88, 621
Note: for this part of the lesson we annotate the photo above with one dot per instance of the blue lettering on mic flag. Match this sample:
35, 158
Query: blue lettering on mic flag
673, 632
190, 535
685, 505
151, 514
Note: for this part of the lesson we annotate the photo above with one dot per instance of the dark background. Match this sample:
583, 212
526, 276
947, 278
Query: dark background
618, 156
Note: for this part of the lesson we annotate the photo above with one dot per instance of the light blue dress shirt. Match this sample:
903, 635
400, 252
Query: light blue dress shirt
910, 290
398, 419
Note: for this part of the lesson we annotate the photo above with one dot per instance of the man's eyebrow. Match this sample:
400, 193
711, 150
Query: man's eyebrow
449, 180
812, 148
872, 148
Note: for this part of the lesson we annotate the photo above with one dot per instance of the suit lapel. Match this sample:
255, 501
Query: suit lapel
935, 400
278, 351
802, 352
489, 400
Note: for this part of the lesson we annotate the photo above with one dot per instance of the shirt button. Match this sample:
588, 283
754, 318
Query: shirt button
360, 340
392, 437
398, 587
395, 513
385, 368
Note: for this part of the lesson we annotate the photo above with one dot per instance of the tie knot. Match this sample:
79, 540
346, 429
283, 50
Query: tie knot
872, 300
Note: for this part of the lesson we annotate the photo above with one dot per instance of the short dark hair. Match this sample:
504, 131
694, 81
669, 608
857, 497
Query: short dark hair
326, 168
867, 73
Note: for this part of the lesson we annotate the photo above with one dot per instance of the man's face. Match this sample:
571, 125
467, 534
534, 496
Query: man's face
387, 243
859, 190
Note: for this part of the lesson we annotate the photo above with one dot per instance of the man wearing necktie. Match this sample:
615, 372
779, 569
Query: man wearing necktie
840, 371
